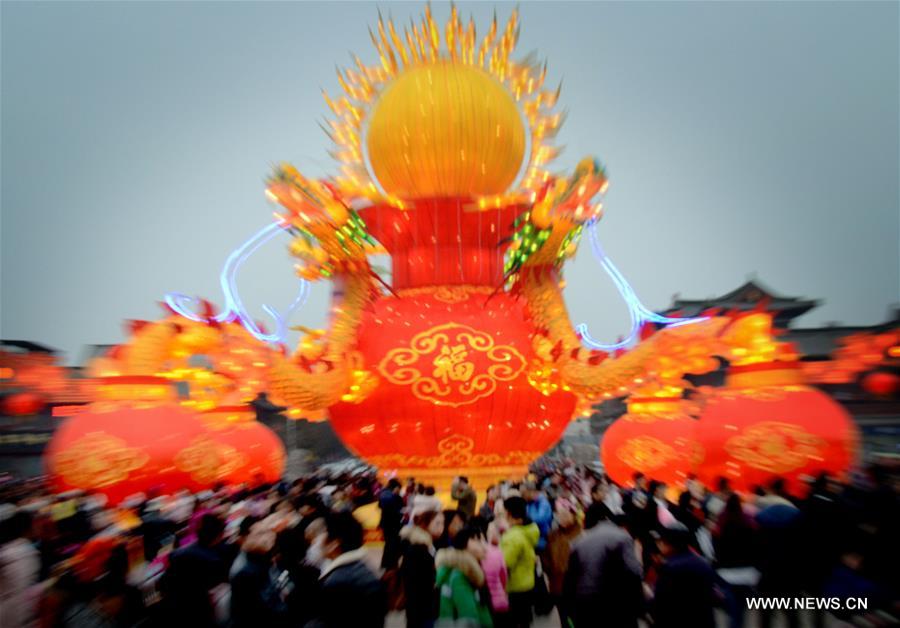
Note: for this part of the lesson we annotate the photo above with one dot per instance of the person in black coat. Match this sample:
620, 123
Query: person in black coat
351, 594
391, 505
417, 569
685, 584
193, 572
254, 598
602, 585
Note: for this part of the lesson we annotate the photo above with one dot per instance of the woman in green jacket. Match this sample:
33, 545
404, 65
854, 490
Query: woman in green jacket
459, 582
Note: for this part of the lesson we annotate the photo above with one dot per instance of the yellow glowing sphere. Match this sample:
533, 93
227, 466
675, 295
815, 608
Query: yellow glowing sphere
445, 130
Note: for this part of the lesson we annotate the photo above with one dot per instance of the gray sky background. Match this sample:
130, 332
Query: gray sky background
740, 138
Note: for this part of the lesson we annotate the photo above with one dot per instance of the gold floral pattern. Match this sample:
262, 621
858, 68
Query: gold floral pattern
452, 365
98, 460
447, 294
206, 460
455, 451
646, 453
775, 447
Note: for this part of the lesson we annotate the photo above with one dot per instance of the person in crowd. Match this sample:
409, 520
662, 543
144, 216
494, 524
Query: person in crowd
496, 575
556, 556
417, 570
487, 508
454, 521
459, 581
685, 591
411, 493
635, 498
539, 511
598, 510
780, 551
351, 594
254, 597
20, 567
465, 496
736, 548
266, 411
518, 545
685, 513
298, 570
716, 500
194, 574
826, 533
612, 496
602, 585
426, 501
391, 505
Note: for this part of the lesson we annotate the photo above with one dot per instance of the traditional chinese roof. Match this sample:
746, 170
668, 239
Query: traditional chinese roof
747, 297
26, 346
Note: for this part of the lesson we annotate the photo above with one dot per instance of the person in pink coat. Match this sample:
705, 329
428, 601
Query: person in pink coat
495, 576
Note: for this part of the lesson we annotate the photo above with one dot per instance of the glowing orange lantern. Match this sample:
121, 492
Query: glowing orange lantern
881, 383
766, 423
120, 447
22, 404
656, 437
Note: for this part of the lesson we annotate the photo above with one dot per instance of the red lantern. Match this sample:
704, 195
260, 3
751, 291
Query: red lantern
656, 438
881, 383
766, 423
246, 451
121, 448
449, 380
22, 404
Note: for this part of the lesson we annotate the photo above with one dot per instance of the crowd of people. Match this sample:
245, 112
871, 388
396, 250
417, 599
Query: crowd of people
564, 540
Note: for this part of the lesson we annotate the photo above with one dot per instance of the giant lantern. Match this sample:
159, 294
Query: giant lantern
133, 439
766, 422
463, 360
467, 363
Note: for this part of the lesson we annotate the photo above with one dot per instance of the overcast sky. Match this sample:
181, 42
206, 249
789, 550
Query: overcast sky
757, 138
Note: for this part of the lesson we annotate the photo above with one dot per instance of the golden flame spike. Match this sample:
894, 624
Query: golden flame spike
398, 43
348, 89
470, 41
435, 41
386, 45
381, 53
450, 34
422, 38
487, 43
330, 103
411, 44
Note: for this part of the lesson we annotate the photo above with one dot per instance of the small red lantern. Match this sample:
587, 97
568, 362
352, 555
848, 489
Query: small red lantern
22, 404
656, 438
766, 423
120, 448
881, 383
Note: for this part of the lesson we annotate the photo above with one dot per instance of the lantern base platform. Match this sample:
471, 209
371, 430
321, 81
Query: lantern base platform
442, 479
